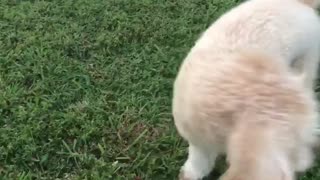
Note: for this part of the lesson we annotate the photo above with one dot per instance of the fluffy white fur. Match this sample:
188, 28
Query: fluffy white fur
240, 92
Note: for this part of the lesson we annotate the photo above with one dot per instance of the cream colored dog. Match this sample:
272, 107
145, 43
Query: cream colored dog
240, 92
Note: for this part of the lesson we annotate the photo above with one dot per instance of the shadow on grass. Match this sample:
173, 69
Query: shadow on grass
221, 167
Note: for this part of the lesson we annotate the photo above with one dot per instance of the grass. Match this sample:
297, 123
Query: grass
86, 86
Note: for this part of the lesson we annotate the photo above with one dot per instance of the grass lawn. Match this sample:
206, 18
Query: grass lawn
86, 86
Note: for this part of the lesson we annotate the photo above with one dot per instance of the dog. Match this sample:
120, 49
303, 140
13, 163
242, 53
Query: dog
245, 90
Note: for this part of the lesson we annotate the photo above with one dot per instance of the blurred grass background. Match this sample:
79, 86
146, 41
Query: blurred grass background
86, 86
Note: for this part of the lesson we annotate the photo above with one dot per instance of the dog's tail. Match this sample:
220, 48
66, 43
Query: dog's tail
253, 155
312, 3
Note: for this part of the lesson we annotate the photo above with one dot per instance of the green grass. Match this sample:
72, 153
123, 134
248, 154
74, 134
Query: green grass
86, 86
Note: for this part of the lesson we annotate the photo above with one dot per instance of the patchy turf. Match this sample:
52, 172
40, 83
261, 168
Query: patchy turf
86, 85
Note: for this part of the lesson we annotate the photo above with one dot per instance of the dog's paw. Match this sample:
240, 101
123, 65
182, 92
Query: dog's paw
187, 176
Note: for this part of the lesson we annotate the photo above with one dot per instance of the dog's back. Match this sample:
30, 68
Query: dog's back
286, 28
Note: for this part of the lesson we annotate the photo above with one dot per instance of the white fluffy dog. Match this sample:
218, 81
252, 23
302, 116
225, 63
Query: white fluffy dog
240, 91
